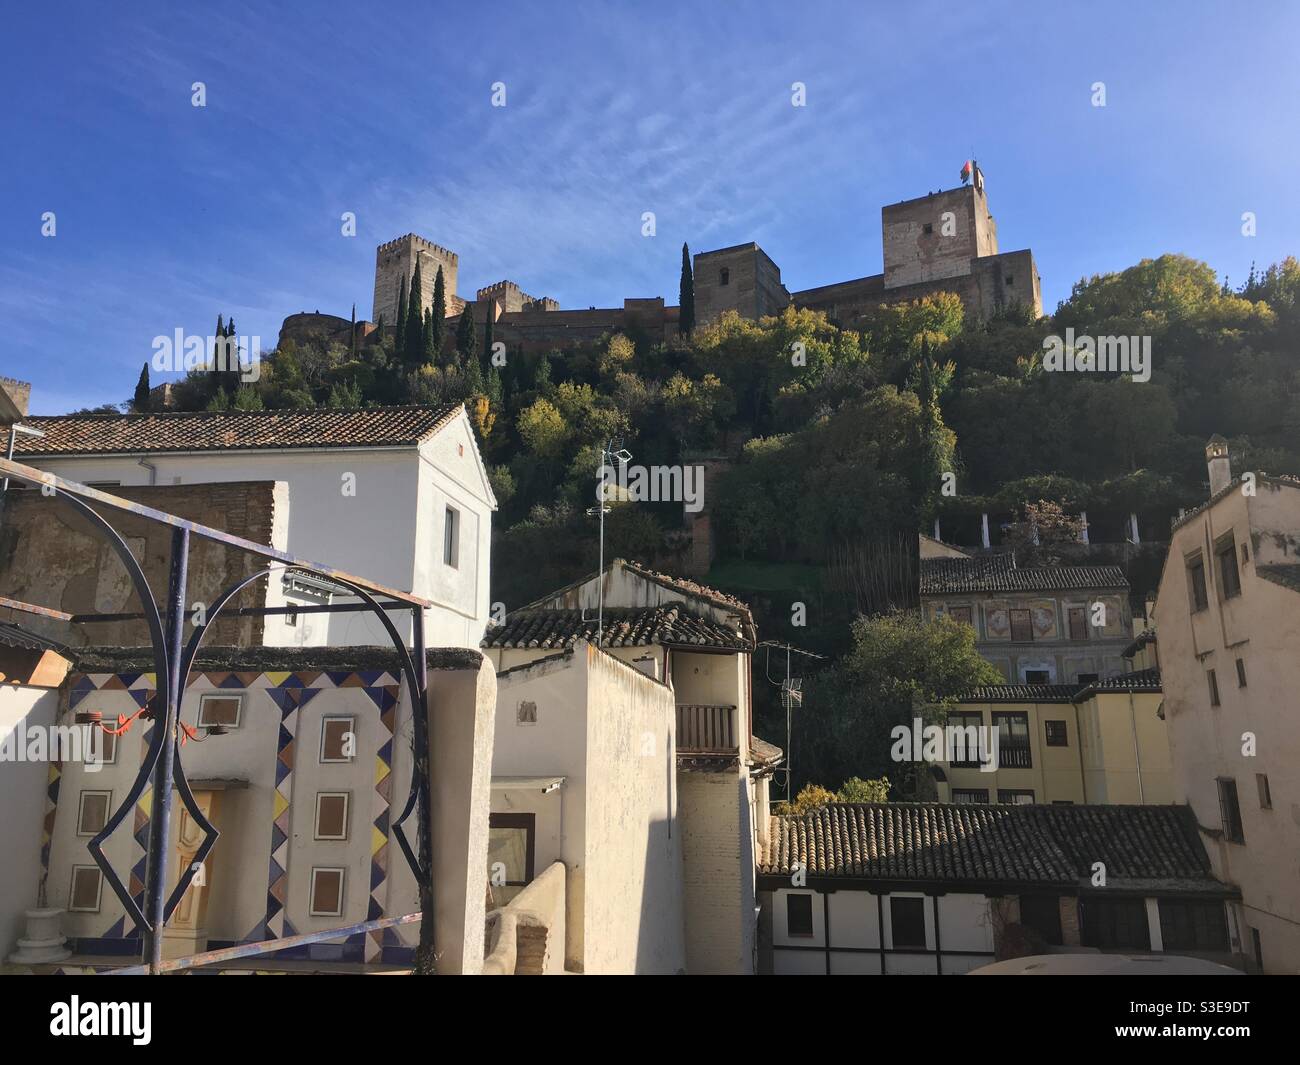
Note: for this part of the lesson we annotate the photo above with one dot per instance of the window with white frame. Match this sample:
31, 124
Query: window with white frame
220, 709
86, 890
326, 891
92, 811
332, 814
338, 739
451, 538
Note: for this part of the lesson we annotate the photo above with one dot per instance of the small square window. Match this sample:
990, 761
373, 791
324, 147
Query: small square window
332, 815
1015, 797
92, 811
326, 892
1265, 795
526, 713
338, 740
975, 795
1241, 673
724, 276
451, 538
1213, 682
927, 228
87, 888
907, 922
798, 915
1245, 554
1011, 280
1037, 676
1056, 734
223, 710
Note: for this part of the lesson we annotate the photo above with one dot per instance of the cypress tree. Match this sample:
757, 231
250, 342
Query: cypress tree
218, 346
686, 295
231, 378
542, 378
466, 338
399, 333
413, 348
430, 352
141, 402
487, 331
439, 311
473, 375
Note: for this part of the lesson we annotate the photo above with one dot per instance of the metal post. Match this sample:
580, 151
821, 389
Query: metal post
600, 569
424, 789
160, 822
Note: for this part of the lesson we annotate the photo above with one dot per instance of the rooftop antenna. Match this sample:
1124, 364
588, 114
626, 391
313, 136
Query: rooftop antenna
612, 452
791, 696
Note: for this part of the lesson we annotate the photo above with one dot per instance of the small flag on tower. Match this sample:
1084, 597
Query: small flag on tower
966, 172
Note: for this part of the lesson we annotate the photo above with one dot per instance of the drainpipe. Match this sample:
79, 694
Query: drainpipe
1078, 741
1137, 750
153, 470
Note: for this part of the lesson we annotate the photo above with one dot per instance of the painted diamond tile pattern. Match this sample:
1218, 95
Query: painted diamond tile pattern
289, 691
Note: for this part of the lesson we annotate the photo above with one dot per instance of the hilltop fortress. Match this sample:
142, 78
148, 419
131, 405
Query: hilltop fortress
944, 241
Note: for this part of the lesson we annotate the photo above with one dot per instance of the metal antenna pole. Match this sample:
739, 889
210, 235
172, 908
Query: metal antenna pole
600, 569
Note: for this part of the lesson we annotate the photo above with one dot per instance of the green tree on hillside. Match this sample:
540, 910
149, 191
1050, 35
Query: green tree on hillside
439, 312
900, 667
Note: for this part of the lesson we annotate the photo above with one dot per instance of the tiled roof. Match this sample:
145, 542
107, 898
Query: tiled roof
14, 636
972, 843
82, 434
553, 630
1139, 680
762, 751
998, 573
683, 584
1021, 693
1287, 574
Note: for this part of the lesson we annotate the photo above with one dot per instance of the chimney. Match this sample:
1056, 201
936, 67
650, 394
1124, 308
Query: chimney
647, 664
1216, 460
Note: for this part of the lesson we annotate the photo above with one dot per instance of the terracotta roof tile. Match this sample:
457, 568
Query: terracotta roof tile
1287, 574
554, 630
1039, 845
998, 573
82, 434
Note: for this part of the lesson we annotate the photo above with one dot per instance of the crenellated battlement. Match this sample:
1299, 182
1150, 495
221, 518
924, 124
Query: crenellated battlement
419, 242
19, 391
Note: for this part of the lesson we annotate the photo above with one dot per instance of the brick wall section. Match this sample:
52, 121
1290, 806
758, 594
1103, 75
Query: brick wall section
530, 949
51, 557
718, 897
1070, 935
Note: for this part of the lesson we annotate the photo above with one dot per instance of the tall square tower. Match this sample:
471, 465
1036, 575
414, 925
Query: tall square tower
936, 236
396, 261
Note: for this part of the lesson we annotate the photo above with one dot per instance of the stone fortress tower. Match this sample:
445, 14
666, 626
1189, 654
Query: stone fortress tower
395, 261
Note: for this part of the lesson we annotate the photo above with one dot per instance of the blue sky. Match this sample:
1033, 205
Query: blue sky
169, 214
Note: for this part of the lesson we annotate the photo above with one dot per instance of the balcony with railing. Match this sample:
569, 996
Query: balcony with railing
707, 729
